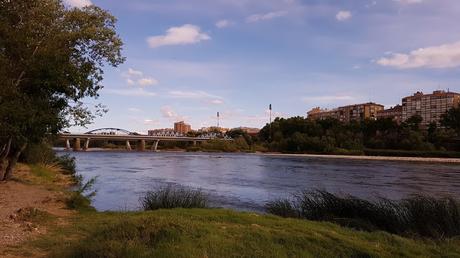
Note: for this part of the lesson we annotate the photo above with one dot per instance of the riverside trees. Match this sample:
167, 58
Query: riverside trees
51, 57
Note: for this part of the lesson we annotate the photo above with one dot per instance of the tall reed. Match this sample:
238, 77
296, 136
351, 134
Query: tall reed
421, 216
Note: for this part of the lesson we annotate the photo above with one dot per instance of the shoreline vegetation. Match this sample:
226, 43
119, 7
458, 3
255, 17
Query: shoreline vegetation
178, 222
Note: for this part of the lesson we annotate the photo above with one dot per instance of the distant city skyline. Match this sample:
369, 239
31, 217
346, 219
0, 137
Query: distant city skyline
188, 60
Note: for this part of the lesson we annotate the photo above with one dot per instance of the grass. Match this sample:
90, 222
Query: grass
222, 233
215, 233
418, 216
174, 197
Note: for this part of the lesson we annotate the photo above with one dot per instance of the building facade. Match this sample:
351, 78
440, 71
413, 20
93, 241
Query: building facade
394, 113
182, 127
349, 113
429, 106
161, 132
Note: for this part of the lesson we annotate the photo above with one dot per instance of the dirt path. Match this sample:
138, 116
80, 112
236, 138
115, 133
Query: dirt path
21, 203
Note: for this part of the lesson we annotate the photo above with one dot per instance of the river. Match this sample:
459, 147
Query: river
247, 181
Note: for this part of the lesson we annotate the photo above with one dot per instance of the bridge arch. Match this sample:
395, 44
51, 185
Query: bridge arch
109, 130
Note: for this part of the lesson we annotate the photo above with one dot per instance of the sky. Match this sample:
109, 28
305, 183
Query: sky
189, 59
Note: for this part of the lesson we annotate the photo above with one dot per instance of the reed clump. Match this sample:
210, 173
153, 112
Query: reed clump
417, 216
171, 197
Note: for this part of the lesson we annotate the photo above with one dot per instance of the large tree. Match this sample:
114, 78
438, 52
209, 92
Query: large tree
51, 57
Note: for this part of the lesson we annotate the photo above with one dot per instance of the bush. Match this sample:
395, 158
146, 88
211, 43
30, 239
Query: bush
40, 153
404, 153
81, 198
174, 197
416, 216
67, 163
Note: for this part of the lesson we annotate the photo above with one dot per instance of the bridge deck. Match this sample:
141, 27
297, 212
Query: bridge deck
130, 137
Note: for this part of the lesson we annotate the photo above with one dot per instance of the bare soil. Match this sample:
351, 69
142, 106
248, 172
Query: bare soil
20, 201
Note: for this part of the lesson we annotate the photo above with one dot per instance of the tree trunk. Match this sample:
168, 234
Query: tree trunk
12, 161
5, 151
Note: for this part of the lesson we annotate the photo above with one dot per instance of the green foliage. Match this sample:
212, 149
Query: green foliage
301, 135
38, 153
67, 163
222, 233
218, 145
51, 58
404, 153
417, 216
81, 198
174, 197
452, 119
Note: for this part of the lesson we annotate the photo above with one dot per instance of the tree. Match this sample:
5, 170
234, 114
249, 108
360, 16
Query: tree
451, 119
51, 57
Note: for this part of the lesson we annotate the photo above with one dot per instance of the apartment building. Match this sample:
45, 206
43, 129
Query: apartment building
182, 127
394, 113
357, 112
429, 106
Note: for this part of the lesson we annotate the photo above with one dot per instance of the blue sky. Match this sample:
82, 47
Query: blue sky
188, 59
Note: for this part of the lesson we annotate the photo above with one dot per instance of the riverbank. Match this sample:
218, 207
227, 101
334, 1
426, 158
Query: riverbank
356, 157
56, 231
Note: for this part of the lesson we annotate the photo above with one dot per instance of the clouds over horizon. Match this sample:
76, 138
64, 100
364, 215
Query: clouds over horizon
443, 56
186, 34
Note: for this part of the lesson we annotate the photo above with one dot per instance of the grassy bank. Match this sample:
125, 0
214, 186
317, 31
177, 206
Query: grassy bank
223, 233
208, 233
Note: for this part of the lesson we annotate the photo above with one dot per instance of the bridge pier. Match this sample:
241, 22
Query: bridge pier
128, 145
67, 144
141, 145
86, 146
155, 145
76, 144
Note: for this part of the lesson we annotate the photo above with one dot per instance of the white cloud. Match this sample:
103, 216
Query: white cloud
185, 35
134, 110
265, 16
151, 122
343, 15
444, 56
132, 72
224, 24
131, 92
78, 3
328, 99
134, 77
198, 95
168, 112
147, 82
409, 1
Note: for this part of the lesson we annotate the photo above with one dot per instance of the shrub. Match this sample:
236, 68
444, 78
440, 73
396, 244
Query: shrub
81, 198
416, 216
174, 197
40, 153
67, 163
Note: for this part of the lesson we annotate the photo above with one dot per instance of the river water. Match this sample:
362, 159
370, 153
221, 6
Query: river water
247, 181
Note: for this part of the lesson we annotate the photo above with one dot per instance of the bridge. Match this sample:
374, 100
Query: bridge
121, 135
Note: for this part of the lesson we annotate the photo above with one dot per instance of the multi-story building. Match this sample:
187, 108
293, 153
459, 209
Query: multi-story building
349, 113
161, 132
429, 106
182, 127
213, 129
394, 113
249, 130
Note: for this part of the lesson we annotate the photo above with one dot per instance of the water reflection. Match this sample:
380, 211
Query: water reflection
246, 182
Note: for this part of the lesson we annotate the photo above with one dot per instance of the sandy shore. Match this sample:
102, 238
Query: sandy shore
381, 158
